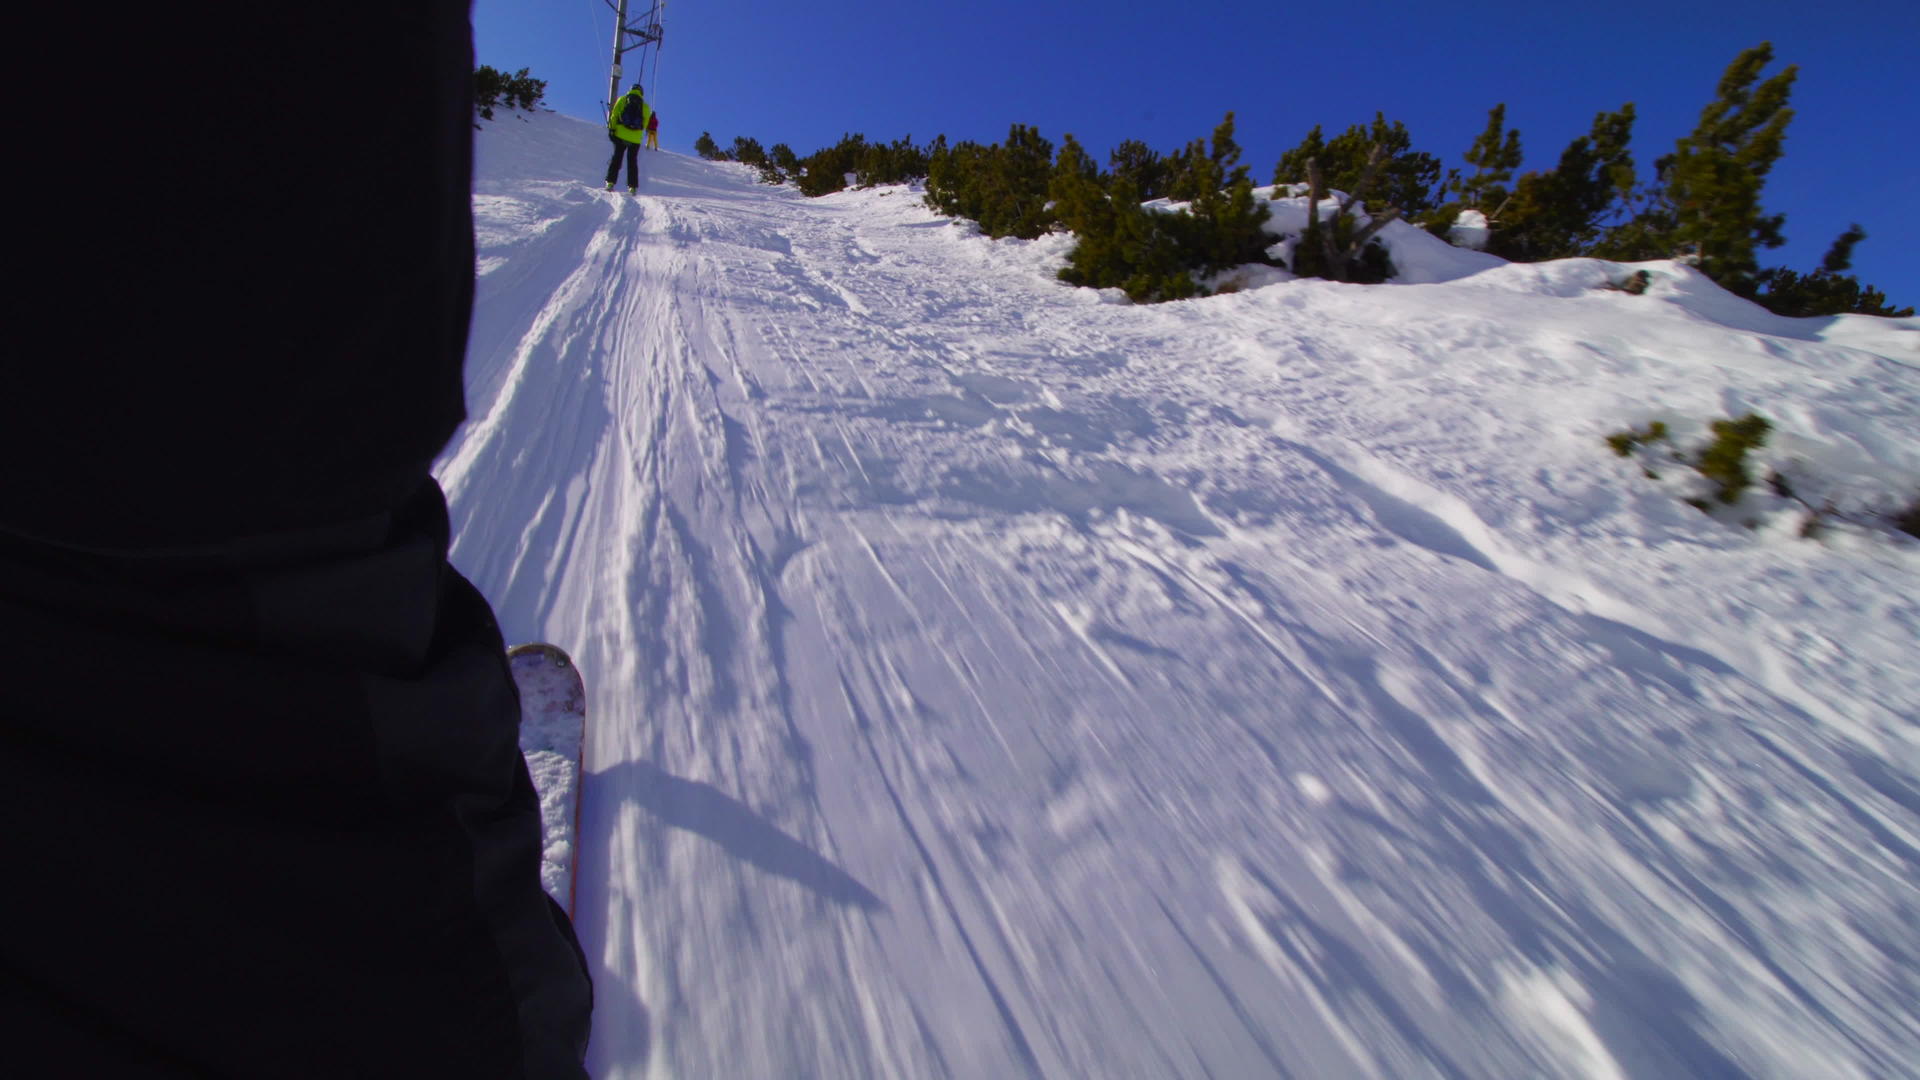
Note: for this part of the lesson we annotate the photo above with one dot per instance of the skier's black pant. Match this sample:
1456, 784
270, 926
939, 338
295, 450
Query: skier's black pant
632, 152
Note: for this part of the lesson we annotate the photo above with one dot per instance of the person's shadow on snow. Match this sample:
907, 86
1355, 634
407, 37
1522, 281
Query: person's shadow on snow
706, 810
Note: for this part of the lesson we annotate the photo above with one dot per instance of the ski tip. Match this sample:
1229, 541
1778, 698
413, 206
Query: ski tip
554, 653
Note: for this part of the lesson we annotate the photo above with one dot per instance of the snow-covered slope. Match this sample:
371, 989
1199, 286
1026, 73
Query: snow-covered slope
993, 679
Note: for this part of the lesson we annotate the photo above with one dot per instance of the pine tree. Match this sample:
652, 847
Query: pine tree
1003, 187
1403, 177
516, 91
1150, 254
1137, 162
1292, 168
707, 148
1719, 171
1558, 214
748, 151
1494, 156
825, 171
1125, 246
1706, 205
1342, 249
1829, 290
890, 163
1225, 225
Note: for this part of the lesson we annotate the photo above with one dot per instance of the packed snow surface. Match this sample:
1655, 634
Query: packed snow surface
990, 678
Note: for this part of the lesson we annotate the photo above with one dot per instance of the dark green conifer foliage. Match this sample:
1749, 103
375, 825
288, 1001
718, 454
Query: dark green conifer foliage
1137, 162
1224, 226
1077, 189
851, 160
1561, 213
1829, 290
1003, 187
1646, 231
516, 91
1494, 156
1720, 169
1292, 168
1153, 255
1124, 245
890, 163
1405, 178
826, 170
748, 151
1724, 461
1340, 248
707, 148
784, 159
1202, 169
1839, 257
1707, 201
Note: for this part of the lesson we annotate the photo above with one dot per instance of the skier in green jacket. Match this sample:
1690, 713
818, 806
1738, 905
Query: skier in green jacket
626, 128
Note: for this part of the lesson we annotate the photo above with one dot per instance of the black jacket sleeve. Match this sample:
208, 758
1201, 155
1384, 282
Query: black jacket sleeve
265, 810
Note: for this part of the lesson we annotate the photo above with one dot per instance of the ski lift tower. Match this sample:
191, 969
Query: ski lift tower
628, 36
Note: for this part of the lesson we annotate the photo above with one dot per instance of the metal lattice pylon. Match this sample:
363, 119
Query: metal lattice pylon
642, 33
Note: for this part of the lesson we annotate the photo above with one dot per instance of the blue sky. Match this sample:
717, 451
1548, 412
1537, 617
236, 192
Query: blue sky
1165, 74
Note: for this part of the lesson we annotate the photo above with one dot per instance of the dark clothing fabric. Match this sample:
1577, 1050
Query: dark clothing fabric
282, 797
631, 151
291, 333
264, 809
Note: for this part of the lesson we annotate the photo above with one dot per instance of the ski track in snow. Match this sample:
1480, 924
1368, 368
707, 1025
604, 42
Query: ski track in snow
991, 680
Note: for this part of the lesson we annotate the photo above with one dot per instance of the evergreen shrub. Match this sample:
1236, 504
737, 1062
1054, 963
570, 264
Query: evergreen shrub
493, 88
1153, 255
1624, 442
825, 171
1003, 187
1704, 205
1828, 290
1340, 248
897, 162
748, 151
1724, 461
1404, 177
1137, 162
1562, 212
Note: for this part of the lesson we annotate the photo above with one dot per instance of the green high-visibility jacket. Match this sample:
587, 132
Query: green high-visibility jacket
622, 131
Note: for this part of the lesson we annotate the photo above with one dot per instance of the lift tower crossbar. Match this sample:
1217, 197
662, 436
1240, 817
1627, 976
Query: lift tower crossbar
642, 32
